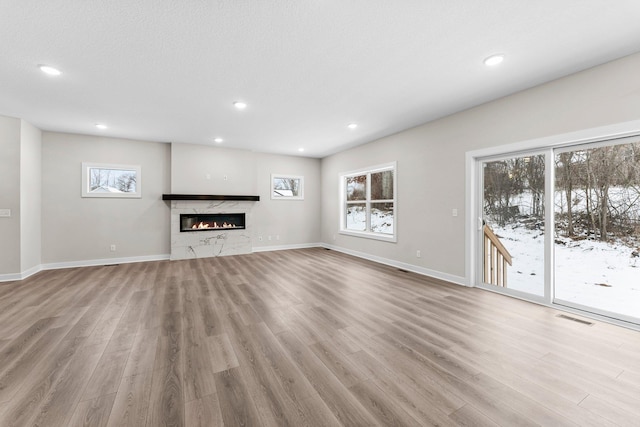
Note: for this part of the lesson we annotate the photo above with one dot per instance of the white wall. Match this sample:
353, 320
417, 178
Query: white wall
294, 222
191, 163
30, 196
431, 159
10, 195
76, 228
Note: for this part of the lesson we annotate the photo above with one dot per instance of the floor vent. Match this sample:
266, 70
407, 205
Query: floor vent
584, 322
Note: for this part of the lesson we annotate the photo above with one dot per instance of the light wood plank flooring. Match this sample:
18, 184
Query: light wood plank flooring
299, 338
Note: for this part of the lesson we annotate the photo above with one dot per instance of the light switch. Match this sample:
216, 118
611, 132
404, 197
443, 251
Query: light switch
6, 213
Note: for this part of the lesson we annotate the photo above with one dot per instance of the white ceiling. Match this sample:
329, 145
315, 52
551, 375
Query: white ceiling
169, 70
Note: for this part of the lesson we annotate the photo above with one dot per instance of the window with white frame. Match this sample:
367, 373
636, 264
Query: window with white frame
369, 202
109, 180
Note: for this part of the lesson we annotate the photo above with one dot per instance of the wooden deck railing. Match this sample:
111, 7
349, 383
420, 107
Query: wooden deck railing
496, 258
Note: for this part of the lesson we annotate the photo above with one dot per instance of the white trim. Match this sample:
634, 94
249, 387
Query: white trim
84, 263
12, 277
392, 238
104, 261
619, 130
86, 180
371, 169
300, 195
20, 276
549, 224
371, 235
458, 280
546, 145
31, 271
614, 131
286, 247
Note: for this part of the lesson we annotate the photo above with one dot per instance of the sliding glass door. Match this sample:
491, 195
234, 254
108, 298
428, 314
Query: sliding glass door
597, 228
562, 226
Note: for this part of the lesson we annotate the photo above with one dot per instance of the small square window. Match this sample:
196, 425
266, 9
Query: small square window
287, 187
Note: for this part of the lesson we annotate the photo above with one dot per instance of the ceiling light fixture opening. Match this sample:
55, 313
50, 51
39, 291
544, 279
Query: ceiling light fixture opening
301, 149
101, 126
218, 140
352, 125
240, 105
494, 60
49, 70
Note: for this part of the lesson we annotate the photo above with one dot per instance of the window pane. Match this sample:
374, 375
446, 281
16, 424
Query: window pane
356, 217
357, 187
513, 232
286, 187
597, 218
382, 217
382, 185
112, 180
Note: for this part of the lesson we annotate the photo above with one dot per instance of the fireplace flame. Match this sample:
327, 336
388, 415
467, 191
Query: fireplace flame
213, 225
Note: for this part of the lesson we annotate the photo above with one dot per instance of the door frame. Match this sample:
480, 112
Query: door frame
479, 250
473, 207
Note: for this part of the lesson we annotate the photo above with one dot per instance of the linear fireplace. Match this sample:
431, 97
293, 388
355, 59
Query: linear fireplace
210, 213
212, 221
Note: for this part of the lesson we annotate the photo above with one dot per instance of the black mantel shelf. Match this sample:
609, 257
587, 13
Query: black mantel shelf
209, 197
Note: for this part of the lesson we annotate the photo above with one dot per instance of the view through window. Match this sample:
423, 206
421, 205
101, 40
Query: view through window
370, 202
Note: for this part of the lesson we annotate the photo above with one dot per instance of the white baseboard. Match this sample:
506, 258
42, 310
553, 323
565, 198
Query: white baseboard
458, 280
104, 261
83, 263
11, 277
20, 276
286, 247
110, 261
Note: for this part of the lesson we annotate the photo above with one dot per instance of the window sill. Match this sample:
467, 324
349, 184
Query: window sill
370, 235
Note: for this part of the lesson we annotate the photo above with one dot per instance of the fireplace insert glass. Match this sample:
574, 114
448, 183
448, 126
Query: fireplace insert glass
208, 222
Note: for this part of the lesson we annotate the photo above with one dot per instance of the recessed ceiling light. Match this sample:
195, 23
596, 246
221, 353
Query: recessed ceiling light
301, 149
101, 126
494, 60
240, 105
352, 125
218, 140
49, 70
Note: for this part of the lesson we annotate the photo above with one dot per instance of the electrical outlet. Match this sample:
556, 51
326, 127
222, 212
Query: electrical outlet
113, 248
418, 254
269, 237
225, 178
454, 212
5, 213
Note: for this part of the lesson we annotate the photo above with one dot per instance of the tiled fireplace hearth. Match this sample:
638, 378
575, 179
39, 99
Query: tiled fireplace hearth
210, 226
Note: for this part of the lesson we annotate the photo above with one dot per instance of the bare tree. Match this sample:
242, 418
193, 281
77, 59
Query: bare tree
126, 182
564, 163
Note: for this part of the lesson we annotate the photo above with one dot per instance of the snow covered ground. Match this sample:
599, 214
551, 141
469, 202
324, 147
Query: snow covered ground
381, 220
590, 273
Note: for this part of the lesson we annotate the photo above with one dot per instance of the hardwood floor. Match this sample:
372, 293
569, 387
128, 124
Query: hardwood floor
299, 338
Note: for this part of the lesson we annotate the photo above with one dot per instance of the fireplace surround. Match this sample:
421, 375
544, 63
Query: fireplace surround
212, 238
